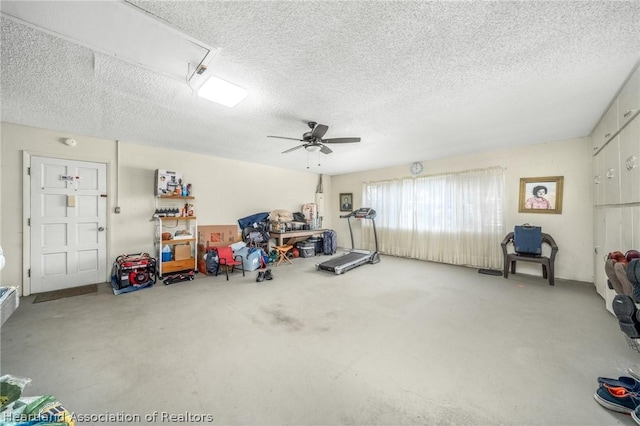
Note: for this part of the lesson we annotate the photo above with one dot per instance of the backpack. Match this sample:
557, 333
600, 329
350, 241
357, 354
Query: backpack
329, 242
632, 254
527, 239
633, 274
212, 261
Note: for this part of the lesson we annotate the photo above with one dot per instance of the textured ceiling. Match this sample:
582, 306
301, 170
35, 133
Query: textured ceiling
415, 80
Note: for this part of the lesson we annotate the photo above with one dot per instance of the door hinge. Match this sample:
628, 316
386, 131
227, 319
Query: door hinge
29, 272
28, 171
29, 221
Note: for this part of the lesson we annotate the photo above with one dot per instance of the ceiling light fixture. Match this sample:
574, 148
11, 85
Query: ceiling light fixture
220, 91
313, 148
121, 30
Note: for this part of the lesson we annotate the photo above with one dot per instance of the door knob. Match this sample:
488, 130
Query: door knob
101, 229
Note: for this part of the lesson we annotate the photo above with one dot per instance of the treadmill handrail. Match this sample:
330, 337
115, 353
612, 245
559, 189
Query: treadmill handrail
353, 246
362, 213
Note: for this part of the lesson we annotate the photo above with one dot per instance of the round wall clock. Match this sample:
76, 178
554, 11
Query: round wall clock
416, 168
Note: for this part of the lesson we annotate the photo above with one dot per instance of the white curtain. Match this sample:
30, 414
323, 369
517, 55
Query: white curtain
455, 218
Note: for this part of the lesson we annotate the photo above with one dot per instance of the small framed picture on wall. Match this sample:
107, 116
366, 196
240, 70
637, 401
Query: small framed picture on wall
541, 195
346, 202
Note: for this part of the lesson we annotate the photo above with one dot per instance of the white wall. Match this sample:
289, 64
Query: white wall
225, 190
572, 230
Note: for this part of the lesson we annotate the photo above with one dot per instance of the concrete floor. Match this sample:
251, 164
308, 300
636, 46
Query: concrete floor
402, 342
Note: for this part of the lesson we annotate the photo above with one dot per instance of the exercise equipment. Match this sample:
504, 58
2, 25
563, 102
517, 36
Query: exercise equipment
354, 257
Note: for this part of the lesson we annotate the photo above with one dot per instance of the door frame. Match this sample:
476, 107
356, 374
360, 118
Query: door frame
26, 212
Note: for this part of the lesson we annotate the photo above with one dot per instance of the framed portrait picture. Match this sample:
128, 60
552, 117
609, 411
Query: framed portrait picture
346, 202
541, 195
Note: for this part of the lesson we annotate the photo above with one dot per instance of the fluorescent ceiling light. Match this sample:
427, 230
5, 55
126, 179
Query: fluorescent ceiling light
120, 30
222, 92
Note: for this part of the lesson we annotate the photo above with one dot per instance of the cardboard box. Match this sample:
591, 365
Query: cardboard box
217, 235
166, 182
9, 302
202, 267
182, 252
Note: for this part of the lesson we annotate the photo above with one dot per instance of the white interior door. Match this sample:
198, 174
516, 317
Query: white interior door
68, 220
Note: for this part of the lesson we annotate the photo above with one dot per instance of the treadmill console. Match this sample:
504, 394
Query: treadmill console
364, 213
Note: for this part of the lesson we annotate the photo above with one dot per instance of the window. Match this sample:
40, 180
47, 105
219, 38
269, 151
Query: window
455, 218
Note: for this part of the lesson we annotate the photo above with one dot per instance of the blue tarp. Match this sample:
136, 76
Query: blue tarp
129, 289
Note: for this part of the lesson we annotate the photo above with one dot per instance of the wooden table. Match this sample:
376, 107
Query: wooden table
293, 237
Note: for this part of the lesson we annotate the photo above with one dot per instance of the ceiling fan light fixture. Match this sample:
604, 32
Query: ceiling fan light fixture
312, 141
222, 92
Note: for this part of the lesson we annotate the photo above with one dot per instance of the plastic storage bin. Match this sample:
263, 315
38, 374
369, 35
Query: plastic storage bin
317, 241
307, 249
166, 253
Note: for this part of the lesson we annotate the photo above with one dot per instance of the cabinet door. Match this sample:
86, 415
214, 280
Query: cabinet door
599, 252
635, 228
611, 169
630, 162
597, 137
613, 242
606, 128
626, 230
629, 99
598, 180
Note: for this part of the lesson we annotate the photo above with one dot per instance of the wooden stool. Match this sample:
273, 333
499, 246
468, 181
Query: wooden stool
282, 253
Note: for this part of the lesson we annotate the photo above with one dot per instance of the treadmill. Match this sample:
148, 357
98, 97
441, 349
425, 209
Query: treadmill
354, 257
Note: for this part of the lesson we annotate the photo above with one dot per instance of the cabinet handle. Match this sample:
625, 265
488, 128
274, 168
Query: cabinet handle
607, 135
627, 113
595, 148
597, 179
610, 173
630, 164
596, 249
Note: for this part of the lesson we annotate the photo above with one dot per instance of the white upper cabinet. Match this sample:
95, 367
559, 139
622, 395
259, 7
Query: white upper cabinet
611, 171
598, 180
629, 166
629, 99
606, 128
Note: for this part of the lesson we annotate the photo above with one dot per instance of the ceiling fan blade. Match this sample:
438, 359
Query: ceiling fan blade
341, 140
293, 149
325, 150
319, 131
284, 137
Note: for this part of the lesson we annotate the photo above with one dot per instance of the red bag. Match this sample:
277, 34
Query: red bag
618, 256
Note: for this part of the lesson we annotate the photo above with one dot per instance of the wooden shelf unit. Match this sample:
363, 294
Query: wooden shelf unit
189, 223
